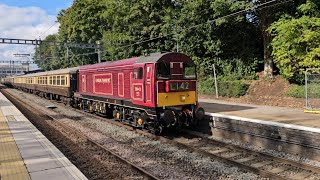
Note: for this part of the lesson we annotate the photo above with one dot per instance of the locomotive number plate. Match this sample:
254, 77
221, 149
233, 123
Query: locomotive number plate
179, 86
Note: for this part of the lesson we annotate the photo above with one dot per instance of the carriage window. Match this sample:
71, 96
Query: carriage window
54, 80
163, 70
58, 80
50, 80
63, 81
189, 71
138, 73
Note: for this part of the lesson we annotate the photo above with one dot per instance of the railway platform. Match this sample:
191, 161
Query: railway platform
289, 130
279, 116
25, 153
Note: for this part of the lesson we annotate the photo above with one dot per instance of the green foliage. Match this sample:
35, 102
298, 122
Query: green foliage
206, 86
296, 91
235, 88
234, 44
50, 55
223, 41
296, 43
133, 22
299, 91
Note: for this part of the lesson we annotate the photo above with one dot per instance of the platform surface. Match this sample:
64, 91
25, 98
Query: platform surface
25, 153
292, 116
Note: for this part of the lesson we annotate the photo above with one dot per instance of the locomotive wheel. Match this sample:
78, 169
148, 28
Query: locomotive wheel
159, 129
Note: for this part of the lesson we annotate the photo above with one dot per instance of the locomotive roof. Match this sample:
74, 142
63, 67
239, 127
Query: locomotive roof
122, 62
155, 57
59, 71
152, 58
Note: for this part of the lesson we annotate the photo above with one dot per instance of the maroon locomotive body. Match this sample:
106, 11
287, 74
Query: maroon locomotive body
154, 91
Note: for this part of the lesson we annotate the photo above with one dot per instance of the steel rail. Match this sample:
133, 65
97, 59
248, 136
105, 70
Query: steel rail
145, 173
110, 152
264, 173
312, 168
167, 140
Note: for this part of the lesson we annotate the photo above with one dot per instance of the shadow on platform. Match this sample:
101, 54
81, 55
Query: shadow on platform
217, 107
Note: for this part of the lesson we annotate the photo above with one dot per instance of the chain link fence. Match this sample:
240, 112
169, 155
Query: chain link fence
312, 90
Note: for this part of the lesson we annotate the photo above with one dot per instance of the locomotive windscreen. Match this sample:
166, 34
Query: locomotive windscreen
163, 70
189, 71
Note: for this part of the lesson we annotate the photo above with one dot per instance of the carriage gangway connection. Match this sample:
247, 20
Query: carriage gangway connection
25, 153
283, 129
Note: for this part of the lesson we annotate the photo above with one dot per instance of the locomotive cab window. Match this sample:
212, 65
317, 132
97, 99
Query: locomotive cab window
163, 70
138, 73
189, 71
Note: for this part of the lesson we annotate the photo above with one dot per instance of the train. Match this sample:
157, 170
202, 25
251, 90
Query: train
154, 92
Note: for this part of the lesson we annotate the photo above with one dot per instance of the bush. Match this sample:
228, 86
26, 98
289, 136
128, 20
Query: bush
234, 88
299, 91
296, 91
206, 86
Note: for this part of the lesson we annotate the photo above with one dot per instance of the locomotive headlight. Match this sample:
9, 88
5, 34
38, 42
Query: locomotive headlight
183, 98
140, 121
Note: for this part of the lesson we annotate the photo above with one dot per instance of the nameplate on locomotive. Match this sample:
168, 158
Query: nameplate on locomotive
102, 84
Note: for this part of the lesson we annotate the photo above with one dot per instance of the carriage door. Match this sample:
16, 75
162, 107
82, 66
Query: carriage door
137, 85
148, 83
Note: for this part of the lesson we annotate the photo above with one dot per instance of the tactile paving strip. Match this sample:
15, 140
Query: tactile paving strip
12, 166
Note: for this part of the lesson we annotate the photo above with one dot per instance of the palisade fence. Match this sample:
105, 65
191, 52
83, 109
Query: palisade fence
312, 90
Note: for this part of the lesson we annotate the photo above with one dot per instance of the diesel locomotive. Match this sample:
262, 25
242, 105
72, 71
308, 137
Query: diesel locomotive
154, 92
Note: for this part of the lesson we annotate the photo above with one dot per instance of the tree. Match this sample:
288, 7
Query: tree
208, 38
264, 16
296, 42
81, 23
47, 56
137, 27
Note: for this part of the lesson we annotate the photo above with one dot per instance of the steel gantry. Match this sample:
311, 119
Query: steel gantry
37, 42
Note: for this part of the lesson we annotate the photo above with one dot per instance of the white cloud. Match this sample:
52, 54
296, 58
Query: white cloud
23, 23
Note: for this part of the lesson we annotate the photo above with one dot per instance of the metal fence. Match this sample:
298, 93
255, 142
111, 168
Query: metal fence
312, 90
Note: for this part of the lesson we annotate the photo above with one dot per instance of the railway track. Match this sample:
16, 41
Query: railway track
259, 163
144, 173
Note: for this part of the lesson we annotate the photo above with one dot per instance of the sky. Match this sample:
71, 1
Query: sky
27, 19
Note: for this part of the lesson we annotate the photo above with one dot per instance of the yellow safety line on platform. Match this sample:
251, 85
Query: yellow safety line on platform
12, 166
312, 111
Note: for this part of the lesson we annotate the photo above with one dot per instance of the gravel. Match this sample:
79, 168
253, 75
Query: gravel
164, 160
271, 152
